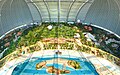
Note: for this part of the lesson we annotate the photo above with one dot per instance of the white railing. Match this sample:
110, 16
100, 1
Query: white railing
102, 29
105, 30
12, 30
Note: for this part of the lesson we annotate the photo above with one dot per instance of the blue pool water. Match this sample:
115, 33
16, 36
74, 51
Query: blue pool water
29, 67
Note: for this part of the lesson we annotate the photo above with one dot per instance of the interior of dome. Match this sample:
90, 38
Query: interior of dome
59, 37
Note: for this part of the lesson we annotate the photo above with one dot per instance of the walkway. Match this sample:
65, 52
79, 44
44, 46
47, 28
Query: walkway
104, 67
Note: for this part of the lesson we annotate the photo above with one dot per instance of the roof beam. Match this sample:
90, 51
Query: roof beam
1, 16
37, 10
45, 2
81, 8
70, 9
57, 1
58, 11
29, 10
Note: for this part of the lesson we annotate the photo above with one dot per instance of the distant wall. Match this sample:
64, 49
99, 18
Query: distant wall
105, 13
13, 14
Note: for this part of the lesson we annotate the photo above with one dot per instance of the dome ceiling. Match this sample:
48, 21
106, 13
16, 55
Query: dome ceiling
67, 10
104, 13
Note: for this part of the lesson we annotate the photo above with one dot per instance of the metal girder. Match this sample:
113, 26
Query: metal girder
37, 10
29, 10
58, 11
26, 4
70, 9
45, 2
1, 15
57, 1
81, 8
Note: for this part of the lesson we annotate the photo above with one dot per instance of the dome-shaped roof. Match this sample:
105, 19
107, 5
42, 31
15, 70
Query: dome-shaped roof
104, 13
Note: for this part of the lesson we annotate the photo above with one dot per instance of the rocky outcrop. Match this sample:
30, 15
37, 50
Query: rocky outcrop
74, 64
54, 70
41, 65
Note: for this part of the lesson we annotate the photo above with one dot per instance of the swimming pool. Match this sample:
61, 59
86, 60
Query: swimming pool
28, 66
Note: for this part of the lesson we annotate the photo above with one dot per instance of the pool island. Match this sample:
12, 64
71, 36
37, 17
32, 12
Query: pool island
55, 69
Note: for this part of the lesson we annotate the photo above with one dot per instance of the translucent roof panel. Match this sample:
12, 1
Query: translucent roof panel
43, 9
53, 10
66, 9
74, 10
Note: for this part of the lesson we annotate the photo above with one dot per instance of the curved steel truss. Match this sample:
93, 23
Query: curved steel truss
68, 9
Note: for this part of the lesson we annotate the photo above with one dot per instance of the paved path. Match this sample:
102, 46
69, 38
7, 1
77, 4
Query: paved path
104, 67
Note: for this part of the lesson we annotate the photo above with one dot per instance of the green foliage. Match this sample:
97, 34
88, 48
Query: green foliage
32, 35
10, 49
